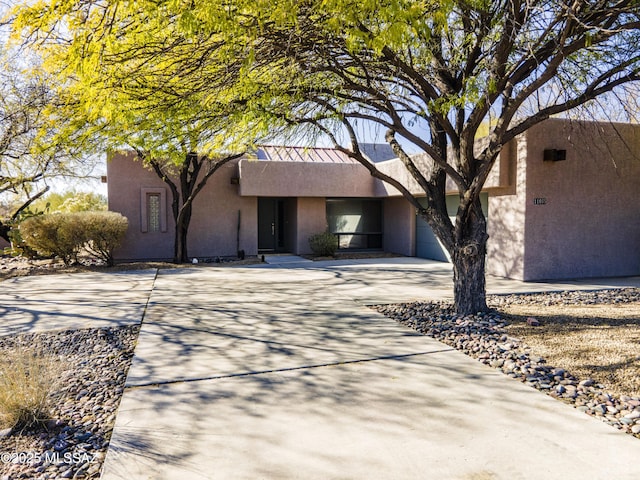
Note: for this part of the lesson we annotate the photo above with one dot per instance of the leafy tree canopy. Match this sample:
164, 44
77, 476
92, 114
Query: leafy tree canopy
120, 70
29, 120
70, 201
429, 73
417, 68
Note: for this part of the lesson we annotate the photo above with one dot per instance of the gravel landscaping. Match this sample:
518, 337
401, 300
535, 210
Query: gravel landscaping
93, 363
73, 442
486, 337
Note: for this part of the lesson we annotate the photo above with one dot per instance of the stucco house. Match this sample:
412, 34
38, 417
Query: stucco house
562, 202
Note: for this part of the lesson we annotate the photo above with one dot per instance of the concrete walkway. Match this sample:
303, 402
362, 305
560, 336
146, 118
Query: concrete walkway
405, 279
70, 301
285, 259
281, 372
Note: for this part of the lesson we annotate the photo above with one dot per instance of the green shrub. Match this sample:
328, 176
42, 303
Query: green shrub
105, 232
64, 234
18, 248
54, 235
324, 244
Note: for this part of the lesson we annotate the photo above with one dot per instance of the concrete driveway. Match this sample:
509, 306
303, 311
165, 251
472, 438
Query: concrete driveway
70, 301
281, 372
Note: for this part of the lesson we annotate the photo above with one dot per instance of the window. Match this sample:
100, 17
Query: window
153, 211
357, 222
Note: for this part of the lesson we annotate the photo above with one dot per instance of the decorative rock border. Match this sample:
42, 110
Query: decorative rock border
483, 337
74, 442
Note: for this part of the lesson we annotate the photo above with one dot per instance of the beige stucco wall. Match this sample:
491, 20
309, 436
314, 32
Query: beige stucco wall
396, 170
500, 177
399, 226
125, 178
506, 219
311, 218
213, 229
214, 224
590, 223
298, 179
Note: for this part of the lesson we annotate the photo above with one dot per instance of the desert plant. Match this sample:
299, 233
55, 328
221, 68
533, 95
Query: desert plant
104, 232
324, 244
28, 378
12, 229
65, 234
59, 234
18, 248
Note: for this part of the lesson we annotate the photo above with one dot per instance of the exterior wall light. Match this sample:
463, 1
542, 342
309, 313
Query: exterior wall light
554, 155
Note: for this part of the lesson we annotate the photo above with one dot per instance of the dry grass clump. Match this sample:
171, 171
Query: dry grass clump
28, 378
597, 341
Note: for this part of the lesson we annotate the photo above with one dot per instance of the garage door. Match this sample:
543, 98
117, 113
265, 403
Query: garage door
427, 245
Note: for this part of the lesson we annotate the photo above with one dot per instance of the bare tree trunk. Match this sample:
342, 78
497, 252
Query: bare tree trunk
182, 198
4, 232
469, 287
468, 255
180, 252
180, 245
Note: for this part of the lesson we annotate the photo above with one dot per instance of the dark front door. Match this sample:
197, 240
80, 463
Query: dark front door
271, 224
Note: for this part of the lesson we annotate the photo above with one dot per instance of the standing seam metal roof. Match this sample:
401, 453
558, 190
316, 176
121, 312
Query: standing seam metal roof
277, 153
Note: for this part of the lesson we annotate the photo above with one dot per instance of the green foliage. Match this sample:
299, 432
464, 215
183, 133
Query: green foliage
120, 89
323, 244
247, 66
53, 235
30, 123
178, 77
70, 201
104, 233
64, 234
18, 246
